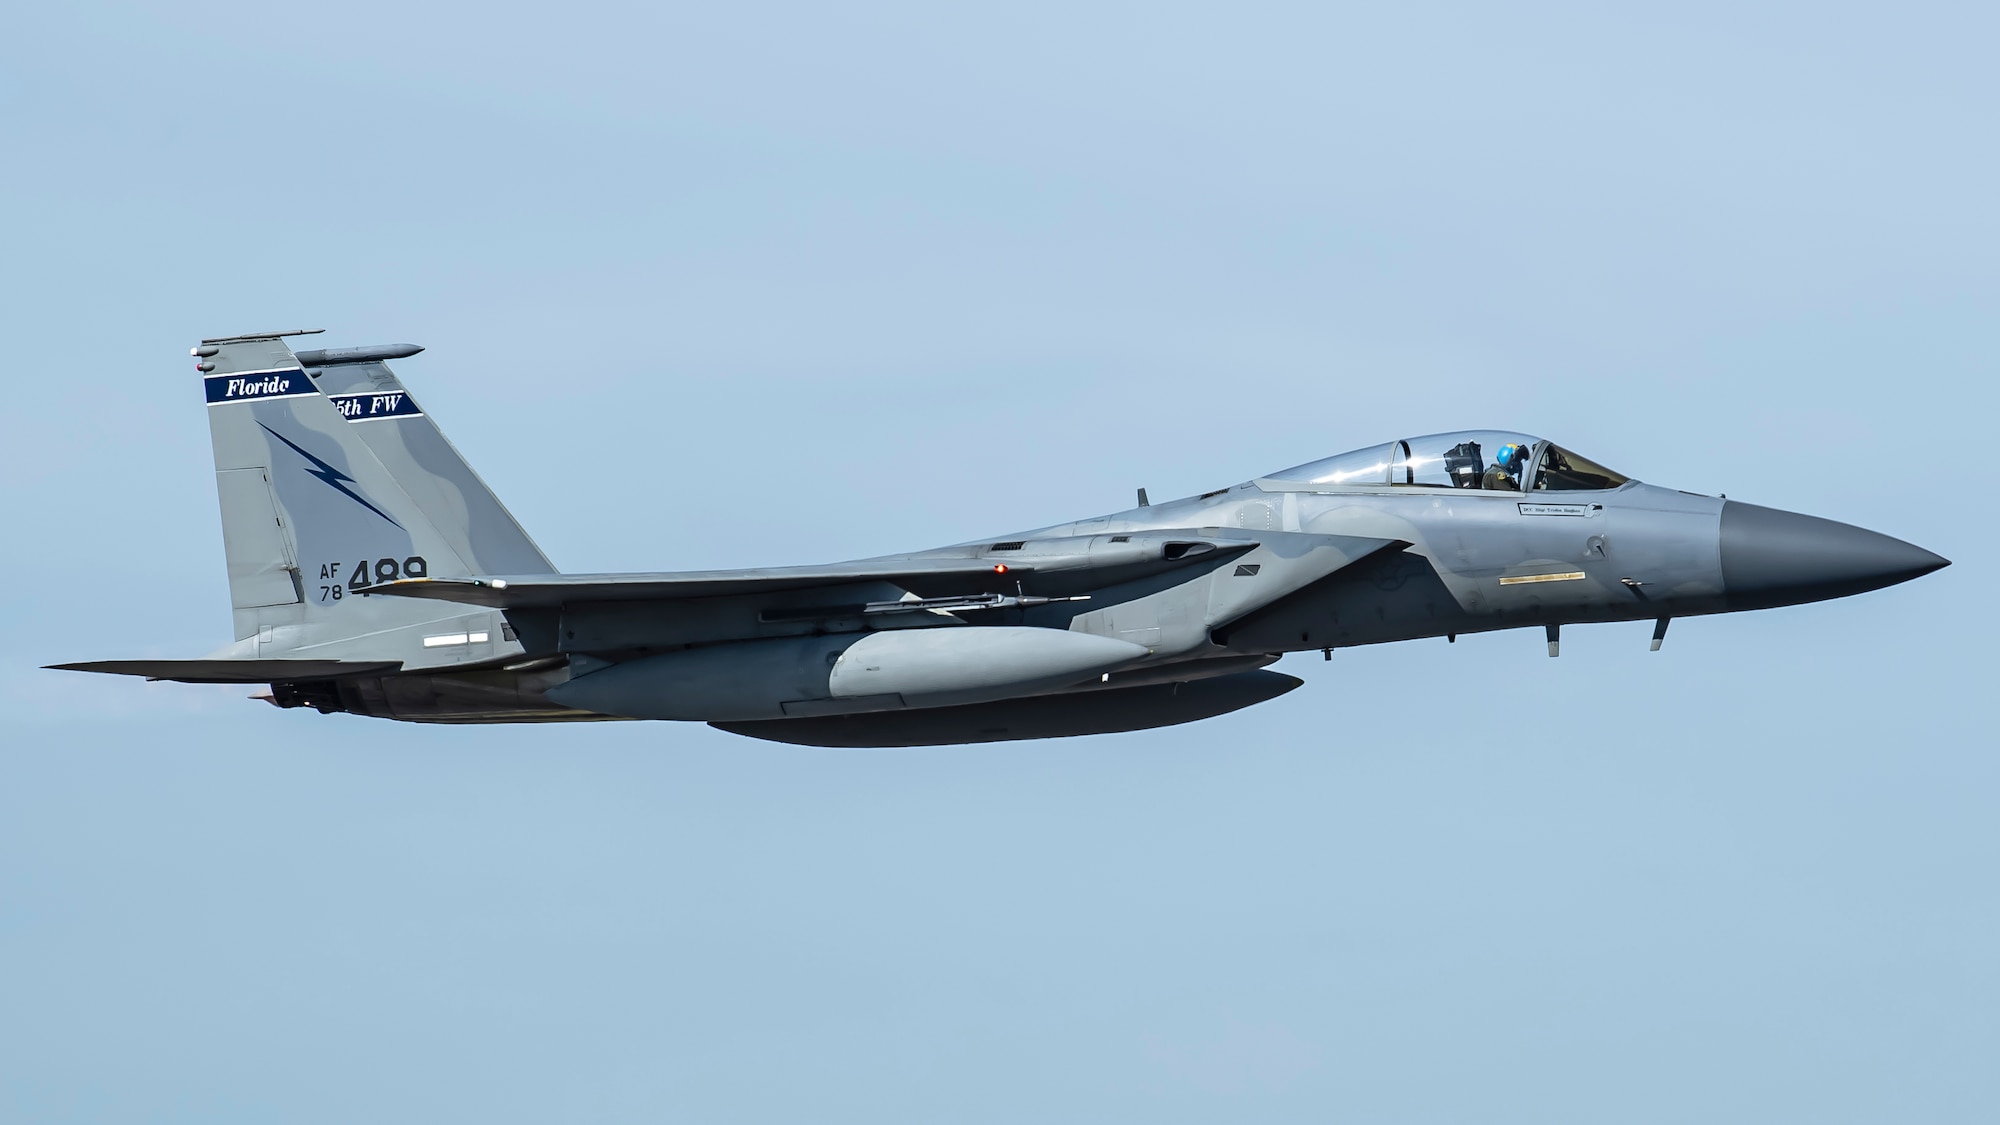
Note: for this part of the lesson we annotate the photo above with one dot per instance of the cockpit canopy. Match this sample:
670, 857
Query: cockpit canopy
1494, 460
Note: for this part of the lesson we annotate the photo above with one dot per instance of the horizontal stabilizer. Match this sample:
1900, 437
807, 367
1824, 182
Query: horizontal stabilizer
234, 671
550, 590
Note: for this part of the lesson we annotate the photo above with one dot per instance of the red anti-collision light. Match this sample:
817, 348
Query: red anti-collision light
1000, 568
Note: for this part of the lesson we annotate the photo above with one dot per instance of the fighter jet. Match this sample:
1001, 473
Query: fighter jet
372, 572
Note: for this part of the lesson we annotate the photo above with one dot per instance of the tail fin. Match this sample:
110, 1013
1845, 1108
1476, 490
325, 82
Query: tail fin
409, 444
331, 481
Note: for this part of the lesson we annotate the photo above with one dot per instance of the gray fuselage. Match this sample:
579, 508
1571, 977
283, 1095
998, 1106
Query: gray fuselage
372, 572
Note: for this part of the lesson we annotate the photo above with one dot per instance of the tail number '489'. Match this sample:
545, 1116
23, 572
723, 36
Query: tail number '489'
365, 574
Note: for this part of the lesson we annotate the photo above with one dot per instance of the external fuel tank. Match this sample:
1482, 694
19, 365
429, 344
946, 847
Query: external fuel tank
847, 673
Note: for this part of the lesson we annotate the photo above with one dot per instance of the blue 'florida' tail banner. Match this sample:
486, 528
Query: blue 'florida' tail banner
282, 383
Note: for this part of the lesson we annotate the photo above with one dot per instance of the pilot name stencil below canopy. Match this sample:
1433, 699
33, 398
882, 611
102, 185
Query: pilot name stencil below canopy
371, 571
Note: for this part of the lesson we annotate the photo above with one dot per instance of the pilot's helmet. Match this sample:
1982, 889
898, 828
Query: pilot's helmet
1510, 456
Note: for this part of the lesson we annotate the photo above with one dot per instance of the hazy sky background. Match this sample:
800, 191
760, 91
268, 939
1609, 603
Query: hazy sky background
750, 284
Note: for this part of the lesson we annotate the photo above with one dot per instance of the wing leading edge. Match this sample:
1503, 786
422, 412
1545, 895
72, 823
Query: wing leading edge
1080, 562
553, 590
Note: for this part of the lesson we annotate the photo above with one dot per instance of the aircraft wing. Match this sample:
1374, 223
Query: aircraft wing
548, 591
999, 568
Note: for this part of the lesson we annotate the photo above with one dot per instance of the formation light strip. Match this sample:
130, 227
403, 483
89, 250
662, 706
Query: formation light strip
1566, 576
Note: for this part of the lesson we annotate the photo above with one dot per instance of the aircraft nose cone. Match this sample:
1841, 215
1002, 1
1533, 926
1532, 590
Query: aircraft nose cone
1772, 557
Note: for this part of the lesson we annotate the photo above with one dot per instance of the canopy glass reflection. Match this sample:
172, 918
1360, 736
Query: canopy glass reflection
1485, 460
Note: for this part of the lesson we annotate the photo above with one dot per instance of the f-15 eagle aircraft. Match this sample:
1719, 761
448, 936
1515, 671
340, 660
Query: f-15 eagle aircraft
371, 571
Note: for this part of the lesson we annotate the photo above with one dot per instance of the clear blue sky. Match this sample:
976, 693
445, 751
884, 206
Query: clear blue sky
733, 285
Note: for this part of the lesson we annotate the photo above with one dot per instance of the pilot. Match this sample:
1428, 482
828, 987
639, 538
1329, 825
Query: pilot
1508, 464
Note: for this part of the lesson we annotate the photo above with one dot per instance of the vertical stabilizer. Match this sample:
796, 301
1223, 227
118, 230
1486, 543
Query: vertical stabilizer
406, 439
312, 518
